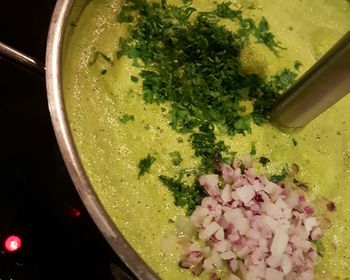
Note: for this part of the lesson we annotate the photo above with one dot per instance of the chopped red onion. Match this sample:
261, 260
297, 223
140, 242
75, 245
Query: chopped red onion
253, 226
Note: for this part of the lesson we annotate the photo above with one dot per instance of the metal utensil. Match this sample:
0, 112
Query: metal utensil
318, 89
22, 60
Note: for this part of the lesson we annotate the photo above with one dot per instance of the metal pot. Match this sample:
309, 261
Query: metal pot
65, 12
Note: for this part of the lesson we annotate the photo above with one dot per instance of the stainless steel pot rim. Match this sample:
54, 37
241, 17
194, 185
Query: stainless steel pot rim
69, 151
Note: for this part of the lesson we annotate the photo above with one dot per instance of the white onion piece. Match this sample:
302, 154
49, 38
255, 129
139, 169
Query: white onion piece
246, 193
310, 223
272, 273
242, 225
233, 277
228, 255
198, 215
226, 194
208, 231
279, 243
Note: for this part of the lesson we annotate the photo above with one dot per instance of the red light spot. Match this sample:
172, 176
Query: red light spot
75, 212
13, 243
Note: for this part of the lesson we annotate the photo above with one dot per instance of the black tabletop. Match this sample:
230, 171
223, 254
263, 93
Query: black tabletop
38, 202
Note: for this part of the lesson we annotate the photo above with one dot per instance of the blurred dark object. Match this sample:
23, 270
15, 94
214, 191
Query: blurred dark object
38, 202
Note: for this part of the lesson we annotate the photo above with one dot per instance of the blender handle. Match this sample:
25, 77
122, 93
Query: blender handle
22, 60
318, 89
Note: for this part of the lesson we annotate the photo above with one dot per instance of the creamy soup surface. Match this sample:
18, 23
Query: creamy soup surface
111, 150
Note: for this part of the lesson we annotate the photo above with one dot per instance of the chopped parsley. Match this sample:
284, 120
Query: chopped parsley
207, 147
297, 65
175, 158
134, 79
126, 118
264, 36
195, 64
264, 160
280, 177
295, 142
100, 55
184, 195
252, 149
279, 83
145, 164
319, 248
191, 62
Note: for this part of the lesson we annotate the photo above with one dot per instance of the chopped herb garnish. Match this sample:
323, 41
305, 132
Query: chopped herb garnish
253, 150
295, 143
124, 16
264, 36
184, 195
191, 62
281, 82
247, 26
280, 177
242, 167
319, 248
134, 79
126, 118
175, 158
297, 65
145, 164
264, 160
100, 55
205, 146
195, 64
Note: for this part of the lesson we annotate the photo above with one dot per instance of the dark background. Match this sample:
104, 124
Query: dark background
38, 201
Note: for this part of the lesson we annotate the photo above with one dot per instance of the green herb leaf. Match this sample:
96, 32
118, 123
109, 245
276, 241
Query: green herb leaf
252, 149
126, 118
100, 55
124, 16
295, 142
191, 62
281, 82
175, 158
297, 65
184, 195
205, 146
264, 160
195, 64
264, 36
145, 164
134, 79
280, 177
319, 248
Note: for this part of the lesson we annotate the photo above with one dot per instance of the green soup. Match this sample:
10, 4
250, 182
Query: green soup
111, 148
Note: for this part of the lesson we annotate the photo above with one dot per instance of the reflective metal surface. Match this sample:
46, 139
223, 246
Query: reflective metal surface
21, 59
317, 90
58, 33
